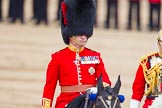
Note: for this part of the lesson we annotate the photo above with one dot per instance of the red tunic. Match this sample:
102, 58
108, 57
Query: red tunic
139, 83
63, 68
155, 1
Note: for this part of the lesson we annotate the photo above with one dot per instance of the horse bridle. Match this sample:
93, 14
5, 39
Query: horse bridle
108, 102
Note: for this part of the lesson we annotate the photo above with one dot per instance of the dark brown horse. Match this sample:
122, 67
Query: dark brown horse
107, 97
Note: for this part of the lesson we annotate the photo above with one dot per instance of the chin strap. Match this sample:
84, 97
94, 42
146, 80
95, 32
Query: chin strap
134, 103
77, 41
46, 103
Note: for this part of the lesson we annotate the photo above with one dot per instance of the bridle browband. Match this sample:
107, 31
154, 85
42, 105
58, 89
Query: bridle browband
109, 103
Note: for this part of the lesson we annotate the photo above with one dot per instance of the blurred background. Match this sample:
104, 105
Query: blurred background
30, 33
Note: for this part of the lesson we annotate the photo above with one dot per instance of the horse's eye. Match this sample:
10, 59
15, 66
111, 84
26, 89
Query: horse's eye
109, 97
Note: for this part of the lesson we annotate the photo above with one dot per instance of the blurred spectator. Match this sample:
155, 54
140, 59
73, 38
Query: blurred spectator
134, 9
35, 10
42, 12
155, 12
96, 24
0, 10
16, 11
58, 10
112, 11
10, 10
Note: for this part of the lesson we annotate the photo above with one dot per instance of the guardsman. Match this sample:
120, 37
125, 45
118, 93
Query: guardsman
148, 79
112, 11
75, 67
20, 10
0, 10
96, 22
58, 10
16, 11
11, 10
134, 8
35, 10
42, 12
154, 12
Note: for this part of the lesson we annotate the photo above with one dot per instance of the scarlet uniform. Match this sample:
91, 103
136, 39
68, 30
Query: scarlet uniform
71, 70
140, 82
155, 1
75, 67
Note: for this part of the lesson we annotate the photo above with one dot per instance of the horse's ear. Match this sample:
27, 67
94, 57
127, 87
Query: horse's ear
100, 86
117, 86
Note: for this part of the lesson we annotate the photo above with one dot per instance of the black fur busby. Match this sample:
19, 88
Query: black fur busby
77, 18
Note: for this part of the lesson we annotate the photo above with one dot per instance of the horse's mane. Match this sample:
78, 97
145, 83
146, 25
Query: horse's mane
78, 102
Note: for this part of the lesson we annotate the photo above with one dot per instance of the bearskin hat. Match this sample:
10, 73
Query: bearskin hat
77, 18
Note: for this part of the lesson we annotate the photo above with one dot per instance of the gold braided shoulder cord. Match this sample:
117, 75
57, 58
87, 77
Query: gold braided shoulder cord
151, 75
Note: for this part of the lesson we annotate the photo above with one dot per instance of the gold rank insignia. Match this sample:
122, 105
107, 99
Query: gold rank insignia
91, 70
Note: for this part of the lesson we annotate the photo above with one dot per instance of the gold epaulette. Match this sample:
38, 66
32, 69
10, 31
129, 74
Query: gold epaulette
145, 57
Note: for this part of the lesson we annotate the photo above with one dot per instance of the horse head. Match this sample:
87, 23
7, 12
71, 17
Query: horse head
107, 97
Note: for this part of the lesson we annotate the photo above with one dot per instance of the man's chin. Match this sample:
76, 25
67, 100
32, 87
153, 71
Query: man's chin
82, 44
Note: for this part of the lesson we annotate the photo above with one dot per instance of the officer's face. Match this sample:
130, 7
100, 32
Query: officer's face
78, 41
